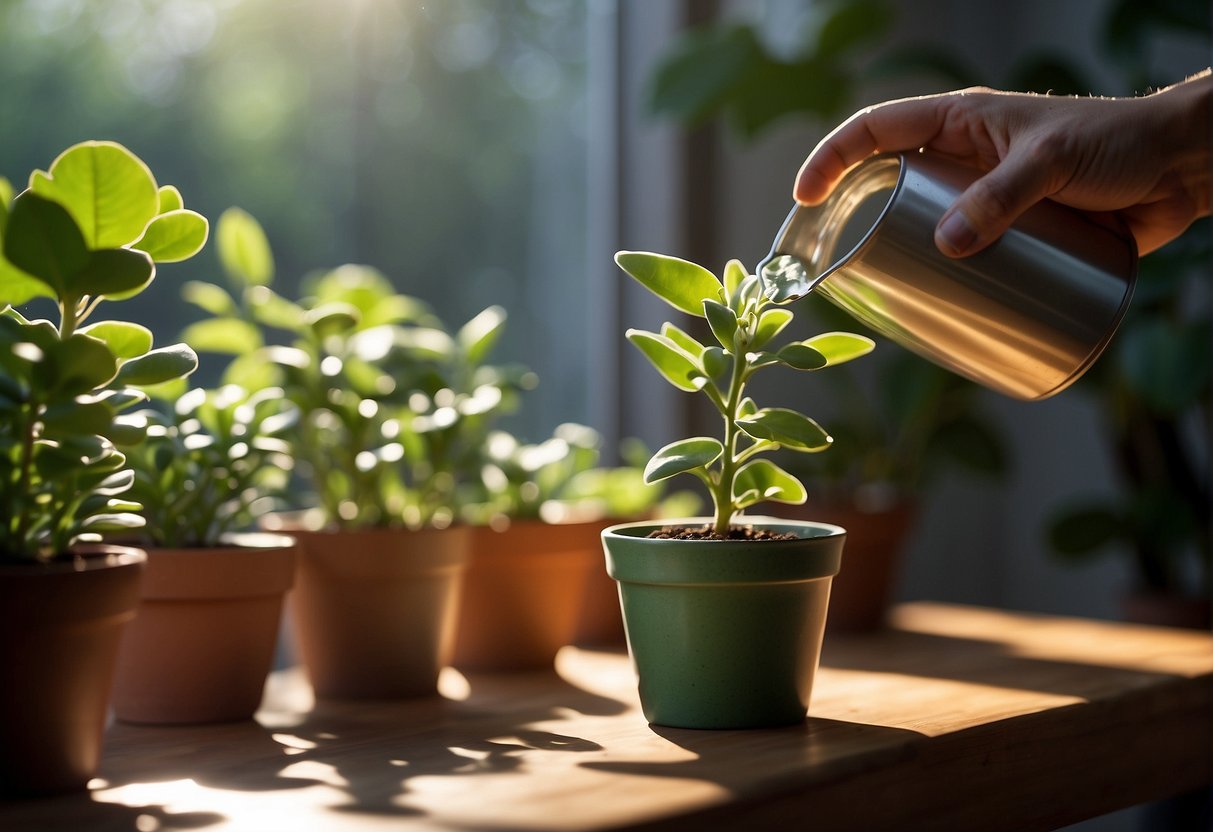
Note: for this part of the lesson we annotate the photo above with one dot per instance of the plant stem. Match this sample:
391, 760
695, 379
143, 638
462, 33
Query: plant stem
722, 495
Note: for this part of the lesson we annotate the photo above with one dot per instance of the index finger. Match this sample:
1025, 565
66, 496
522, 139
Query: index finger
904, 124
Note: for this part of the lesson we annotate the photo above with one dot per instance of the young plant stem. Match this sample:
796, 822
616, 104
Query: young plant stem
722, 494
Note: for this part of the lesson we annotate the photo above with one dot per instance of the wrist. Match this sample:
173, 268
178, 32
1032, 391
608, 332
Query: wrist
1189, 124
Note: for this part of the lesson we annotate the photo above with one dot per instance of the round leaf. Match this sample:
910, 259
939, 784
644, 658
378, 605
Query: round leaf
802, 357
761, 479
170, 199
244, 251
680, 283
116, 273
174, 236
840, 347
125, 340
229, 336
42, 240
673, 364
684, 455
108, 190
209, 297
787, 428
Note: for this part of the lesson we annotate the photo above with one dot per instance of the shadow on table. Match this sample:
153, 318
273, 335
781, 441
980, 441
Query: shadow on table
78, 812
366, 751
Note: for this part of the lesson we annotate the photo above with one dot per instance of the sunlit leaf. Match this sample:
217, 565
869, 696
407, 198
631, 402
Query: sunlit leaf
125, 340
769, 482
788, 428
723, 322
680, 283
477, 337
170, 199
734, 274
802, 357
174, 236
214, 299
684, 455
840, 347
683, 340
244, 252
770, 323
673, 364
229, 336
158, 366
717, 363
42, 240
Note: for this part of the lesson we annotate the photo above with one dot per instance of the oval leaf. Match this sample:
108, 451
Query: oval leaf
116, 273
717, 363
174, 236
770, 324
43, 241
769, 482
125, 340
108, 190
82, 364
787, 428
801, 357
734, 274
684, 455
692, 347
478, 335
674, 364
680, 283
159, 366
244, 251
170, 199
723, 322
229, 336
208, 296
840, 347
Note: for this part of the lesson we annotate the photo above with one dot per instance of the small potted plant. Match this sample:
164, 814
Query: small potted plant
725, 618
89, 229
203, 641
380, 563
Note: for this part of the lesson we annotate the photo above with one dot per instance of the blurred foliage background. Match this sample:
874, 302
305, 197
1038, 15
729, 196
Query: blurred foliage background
443, 143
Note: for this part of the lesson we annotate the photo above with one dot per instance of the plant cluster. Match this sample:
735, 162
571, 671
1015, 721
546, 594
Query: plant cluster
744, 323
90, 229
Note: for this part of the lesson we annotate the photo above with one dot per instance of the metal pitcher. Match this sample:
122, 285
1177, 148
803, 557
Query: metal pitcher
1025, 316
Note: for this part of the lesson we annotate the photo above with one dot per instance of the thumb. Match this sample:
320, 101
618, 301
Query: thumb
986, 209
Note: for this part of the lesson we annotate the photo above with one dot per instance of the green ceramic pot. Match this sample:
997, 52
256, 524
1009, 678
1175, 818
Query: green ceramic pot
724, 634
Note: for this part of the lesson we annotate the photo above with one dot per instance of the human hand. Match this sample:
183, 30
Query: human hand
1146, 159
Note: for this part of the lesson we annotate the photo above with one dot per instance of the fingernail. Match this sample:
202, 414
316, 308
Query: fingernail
955, 236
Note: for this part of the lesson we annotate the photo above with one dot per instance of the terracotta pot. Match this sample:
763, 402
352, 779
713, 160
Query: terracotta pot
203, 642
374, 610
523, 593
62, 624
600, 623
863, 589
725, 633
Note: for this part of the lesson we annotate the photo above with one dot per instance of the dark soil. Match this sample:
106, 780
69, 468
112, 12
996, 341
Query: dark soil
706, 533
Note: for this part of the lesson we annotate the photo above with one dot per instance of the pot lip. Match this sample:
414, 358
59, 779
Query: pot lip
632, 530
235, 542
88, 557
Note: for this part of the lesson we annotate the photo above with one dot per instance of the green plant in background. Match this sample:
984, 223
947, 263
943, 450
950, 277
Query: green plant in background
213, 465
744, 322
91, 228
391, 404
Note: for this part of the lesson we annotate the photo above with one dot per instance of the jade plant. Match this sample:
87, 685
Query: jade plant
744, 322
389, 401
211, 465
90, 229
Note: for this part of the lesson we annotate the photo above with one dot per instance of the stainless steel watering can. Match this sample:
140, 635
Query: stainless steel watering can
1025, 316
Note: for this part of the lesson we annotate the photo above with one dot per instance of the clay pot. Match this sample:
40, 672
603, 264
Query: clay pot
600, 623
62, 624
863, 589
203, 642
523, 593
374, 610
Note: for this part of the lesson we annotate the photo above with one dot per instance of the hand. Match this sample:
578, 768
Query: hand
1146, 159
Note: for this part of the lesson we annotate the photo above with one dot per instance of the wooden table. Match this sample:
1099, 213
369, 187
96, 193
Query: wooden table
954, 718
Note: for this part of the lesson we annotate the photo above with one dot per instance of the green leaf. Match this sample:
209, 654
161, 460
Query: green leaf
125, 340
244, 251
767, 481
477, 337
17, 287
747, 408
6, 196
688, 343
214, 299
675, 365
801, 357
174, 236
116, 273
787, 428
159, 366
252, 372
684, 455
332, 319
42, 240
76, 418
271, 309
680, 283
108, 191
723, 322
228, 336
770, 323
170, 199
734, 274
747, 293
82, 364
717, 363
840, 347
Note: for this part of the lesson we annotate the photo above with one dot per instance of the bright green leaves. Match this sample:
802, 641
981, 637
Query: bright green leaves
801, 357
244, 251
174, 236
159, 366
681, 284
723, 322
674, 364
125, 340
683, 456
108, 191
761, 479
42, 240
770, 323
840, 347
786, 428
478, 336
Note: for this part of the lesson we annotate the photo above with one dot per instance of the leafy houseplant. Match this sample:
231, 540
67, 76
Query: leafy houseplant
204, 639
91, 228
716, 615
